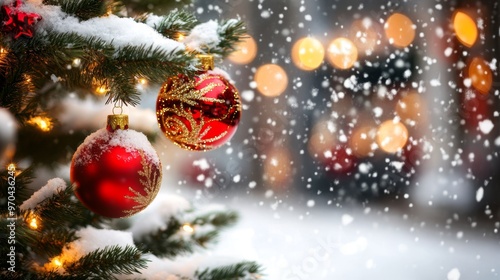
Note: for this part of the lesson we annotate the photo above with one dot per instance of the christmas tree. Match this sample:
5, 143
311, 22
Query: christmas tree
51, 49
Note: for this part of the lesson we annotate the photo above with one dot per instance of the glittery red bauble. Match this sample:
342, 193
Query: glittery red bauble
339, 161
198, 114
116, 174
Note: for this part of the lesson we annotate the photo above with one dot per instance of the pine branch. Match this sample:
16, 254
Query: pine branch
242, 270
218, 219
148, 62
62, 209
20, 182
103, 263
83, 9
161, 244
154, 63
171, 242
47, 242
174, 24
231, 32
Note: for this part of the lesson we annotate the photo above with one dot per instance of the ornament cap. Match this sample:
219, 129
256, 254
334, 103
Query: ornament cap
206, 61
117, 122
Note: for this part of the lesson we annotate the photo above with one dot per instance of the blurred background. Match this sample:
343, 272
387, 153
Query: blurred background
347, 102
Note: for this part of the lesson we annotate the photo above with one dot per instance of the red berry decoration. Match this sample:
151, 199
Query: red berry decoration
201, 113
17, 22
116, 172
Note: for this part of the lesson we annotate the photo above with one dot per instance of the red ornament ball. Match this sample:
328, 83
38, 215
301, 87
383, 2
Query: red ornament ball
116, 173
201, 113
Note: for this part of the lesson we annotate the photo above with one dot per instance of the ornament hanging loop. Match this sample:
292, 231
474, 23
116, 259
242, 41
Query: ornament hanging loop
118, 106
117, 120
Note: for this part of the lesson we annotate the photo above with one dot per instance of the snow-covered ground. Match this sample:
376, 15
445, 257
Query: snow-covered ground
370, 243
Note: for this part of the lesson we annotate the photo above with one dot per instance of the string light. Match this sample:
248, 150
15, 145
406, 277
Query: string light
33, 223
11, 167
76, 62
101, 90
271, 80
43, 123
465, 28
400, 30
56, 262
342, 53
187, 228
142, 81
180, 37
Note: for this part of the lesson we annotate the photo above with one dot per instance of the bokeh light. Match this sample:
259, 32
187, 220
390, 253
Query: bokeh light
277, 167
364, 35
246, 50
342, 53
322, 138
411, 109
308, 53
465, 28
271, 80
362, 140
400, 30
392, 136
480, 75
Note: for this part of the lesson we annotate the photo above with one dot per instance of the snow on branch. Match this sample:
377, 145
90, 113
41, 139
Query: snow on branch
52, 187
120, 32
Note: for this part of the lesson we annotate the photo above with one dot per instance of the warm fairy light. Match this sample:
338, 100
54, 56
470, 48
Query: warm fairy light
188, 228
271, 80
465, 28
43, 123
277, 167
308, 53
362, 140
364, 35
400, 30
32, 220
76, 62
142, 81
56, 262
11, 167
33, 223
392, 136
480, 75
342, 53
246, 50
101, 90
410, 108
180, 37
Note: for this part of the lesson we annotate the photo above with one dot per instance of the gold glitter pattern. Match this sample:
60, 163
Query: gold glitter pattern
198, 114
150, 180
